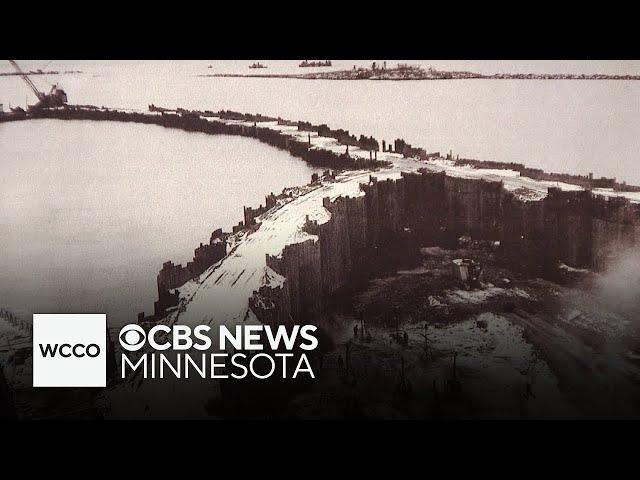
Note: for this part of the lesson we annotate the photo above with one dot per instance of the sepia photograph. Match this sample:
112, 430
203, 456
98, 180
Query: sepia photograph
319, 239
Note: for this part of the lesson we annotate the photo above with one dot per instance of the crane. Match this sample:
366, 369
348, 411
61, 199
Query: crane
27, 80
55, 98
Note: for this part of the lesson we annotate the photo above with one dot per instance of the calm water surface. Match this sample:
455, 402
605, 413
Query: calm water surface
566, 125
89, 211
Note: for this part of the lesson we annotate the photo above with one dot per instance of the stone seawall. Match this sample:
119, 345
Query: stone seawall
577, 228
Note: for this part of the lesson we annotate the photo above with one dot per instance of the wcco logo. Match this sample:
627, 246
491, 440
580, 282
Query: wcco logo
69, 350
79, 350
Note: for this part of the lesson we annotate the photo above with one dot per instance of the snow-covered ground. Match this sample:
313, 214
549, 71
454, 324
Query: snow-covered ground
474, 297
525, 188
609, 192
498, 359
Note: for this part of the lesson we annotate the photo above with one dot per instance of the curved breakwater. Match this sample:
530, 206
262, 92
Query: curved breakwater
433, 201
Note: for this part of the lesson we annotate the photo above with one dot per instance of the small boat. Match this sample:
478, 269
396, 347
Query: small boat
257, 65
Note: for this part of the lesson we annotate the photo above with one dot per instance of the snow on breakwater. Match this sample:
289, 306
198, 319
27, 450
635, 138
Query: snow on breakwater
321, 145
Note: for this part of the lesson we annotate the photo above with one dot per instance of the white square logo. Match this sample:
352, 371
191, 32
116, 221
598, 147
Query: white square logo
69, 350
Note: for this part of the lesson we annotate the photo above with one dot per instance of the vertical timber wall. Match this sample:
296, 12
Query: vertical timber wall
578, 228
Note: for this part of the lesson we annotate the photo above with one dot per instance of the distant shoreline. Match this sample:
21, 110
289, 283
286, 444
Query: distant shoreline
417, 73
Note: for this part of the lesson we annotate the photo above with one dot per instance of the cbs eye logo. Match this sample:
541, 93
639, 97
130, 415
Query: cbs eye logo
132, 337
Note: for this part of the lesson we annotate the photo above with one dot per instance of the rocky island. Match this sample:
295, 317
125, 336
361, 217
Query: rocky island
415, 72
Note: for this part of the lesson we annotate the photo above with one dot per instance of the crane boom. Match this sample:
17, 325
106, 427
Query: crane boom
27, 80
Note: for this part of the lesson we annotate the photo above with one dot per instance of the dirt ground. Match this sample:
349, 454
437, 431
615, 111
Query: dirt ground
427, 346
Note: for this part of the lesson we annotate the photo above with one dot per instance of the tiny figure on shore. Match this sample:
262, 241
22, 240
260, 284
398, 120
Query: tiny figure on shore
355, 330
405, 338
